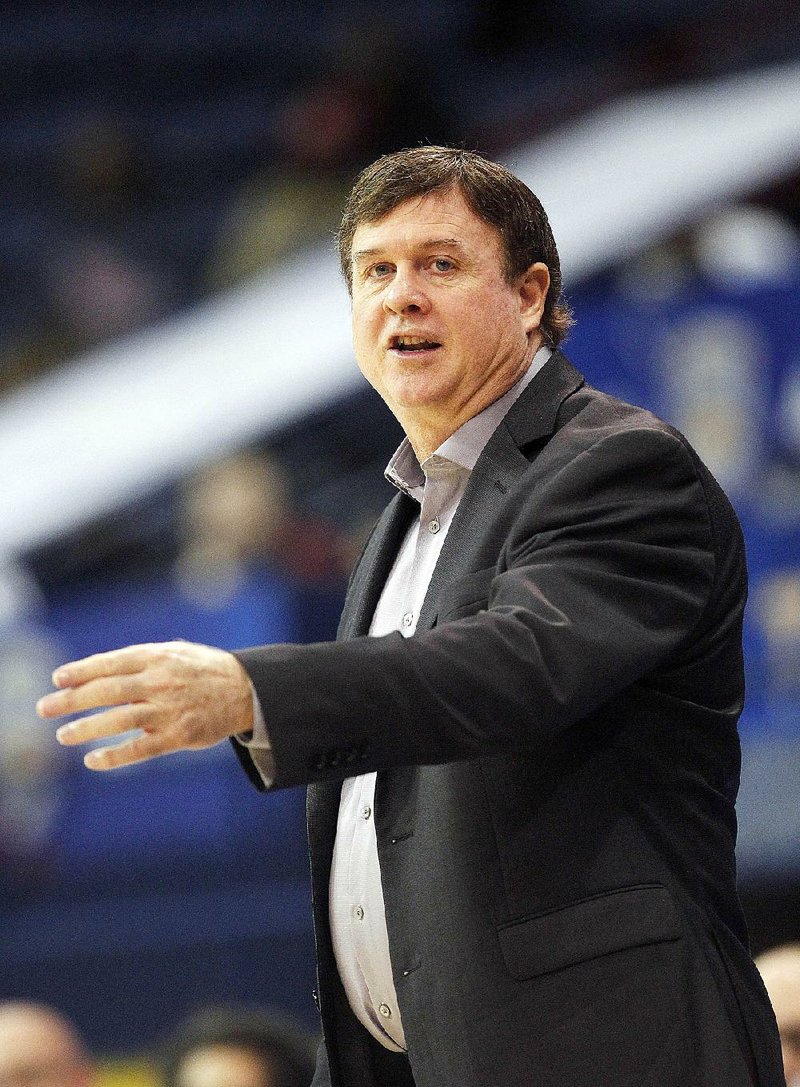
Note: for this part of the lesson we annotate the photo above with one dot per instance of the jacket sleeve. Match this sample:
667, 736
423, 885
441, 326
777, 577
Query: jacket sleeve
606, 571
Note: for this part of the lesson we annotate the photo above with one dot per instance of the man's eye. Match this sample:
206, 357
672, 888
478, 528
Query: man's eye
442, 264
380, 270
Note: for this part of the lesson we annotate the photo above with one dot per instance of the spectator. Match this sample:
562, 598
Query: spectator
40, 1048
30, 777
231, 513
778, 609
373, 95
235, 1047
780, 969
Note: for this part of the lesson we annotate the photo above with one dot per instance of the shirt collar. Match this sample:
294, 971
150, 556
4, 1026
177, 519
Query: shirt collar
461, 449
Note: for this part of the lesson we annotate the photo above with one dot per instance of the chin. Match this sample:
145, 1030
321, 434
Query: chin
419, 392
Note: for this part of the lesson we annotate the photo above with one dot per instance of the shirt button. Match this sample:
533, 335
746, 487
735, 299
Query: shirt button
408, 619
434, 526
366, 811
385, 1011
358, 913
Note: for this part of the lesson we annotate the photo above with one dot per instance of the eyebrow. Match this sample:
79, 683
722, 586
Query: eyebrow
432, 243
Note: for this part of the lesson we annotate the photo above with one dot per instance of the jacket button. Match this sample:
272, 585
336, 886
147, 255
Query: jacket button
385, 1011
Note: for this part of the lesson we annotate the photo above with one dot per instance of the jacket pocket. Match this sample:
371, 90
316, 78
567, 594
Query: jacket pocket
614, 921
466, 596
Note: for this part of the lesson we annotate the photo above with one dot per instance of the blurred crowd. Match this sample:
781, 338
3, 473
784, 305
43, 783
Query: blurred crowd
225, 1046
238, 1046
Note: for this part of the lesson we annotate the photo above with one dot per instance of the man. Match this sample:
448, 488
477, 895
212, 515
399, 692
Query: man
39, 1048
780, 969
521, 817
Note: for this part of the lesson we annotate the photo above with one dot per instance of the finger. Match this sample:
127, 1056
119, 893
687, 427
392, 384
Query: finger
137, 749
113, 691
114, 663
100, 725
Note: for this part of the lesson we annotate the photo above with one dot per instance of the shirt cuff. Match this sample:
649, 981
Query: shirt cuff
258, 743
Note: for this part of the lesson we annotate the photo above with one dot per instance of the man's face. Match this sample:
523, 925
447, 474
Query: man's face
437, 329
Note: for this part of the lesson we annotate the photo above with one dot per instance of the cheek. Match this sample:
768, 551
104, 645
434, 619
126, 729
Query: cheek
366, 318
489, 317
491, 334
363, 341
367, 356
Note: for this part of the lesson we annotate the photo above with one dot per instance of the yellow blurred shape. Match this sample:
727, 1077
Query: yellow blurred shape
133, 1072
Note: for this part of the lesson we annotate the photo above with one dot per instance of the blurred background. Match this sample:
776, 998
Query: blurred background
187, 449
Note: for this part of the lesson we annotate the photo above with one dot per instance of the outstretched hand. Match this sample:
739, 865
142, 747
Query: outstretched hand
180, 695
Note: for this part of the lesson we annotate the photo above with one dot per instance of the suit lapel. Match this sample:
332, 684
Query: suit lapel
364, 591
535, 414
531, 419
373, 567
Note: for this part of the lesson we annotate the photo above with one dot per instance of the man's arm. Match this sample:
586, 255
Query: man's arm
608, 568
604, 576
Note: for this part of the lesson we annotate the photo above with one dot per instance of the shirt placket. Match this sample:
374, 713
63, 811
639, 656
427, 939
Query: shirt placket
370, 941
440, 485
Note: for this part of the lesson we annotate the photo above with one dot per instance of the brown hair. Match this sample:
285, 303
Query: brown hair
491, 191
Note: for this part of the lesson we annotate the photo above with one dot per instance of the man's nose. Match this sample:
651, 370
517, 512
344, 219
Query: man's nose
405, 294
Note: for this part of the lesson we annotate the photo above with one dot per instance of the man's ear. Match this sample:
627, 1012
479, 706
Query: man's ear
533, 287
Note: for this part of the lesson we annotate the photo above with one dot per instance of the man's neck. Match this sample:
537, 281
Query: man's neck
426, 431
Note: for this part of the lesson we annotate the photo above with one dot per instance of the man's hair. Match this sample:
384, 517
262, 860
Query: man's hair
491, 191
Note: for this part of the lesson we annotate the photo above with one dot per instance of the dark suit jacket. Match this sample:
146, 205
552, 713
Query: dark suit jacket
558, 763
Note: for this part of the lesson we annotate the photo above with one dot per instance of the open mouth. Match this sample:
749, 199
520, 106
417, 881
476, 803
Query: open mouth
410, 344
